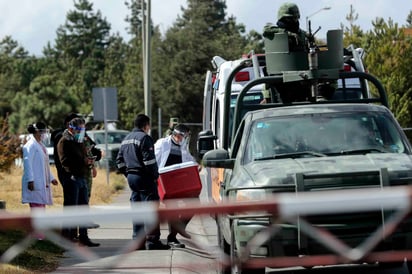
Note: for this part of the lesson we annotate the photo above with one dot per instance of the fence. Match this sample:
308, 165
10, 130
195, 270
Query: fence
285, 207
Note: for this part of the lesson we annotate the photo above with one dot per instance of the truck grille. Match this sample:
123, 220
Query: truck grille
351, 228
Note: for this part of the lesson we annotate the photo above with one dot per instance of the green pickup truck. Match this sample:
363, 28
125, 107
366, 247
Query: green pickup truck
306, 146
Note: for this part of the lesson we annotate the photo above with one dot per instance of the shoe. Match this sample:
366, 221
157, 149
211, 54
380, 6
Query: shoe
92, 225
157, 246
88, 242
173, 242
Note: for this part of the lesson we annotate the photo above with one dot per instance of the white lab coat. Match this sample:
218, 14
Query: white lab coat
36, 168
162, 151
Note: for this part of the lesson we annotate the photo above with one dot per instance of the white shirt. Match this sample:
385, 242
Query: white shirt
162, 150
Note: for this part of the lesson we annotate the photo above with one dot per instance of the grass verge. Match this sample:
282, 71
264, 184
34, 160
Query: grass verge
44, 256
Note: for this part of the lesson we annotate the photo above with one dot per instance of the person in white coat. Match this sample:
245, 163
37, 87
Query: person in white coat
172, 150
37, 177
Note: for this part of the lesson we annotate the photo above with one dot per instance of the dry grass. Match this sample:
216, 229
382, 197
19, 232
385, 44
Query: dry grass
102, 192
43, 256
11, 269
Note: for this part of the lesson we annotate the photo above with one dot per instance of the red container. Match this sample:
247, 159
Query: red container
179, 181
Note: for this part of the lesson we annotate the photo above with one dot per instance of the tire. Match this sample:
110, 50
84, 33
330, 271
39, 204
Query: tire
233, 254
224, 246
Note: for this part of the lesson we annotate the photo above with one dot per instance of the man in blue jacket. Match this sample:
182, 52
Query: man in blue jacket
136, 160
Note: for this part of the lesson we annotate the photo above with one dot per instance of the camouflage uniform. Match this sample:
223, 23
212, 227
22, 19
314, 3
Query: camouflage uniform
288, 22
91, 152
172, 123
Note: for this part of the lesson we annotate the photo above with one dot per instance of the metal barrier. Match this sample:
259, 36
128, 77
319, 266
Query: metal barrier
285, 207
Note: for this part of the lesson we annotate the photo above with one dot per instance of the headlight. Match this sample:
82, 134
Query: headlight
250, 195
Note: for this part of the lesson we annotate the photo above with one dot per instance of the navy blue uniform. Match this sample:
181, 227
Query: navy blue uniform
137, 161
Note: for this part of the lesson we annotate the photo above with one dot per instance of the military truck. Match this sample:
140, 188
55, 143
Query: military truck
310, 142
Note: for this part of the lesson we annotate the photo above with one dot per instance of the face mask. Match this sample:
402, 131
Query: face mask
183, 142
44, 137
79, 137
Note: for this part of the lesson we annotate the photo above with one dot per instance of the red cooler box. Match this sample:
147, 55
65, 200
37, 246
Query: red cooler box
179, 181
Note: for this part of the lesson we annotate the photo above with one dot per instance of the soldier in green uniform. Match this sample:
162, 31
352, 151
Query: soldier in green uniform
288, 22
172, 123
95, 154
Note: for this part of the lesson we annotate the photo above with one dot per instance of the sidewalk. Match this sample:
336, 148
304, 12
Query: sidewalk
113, 237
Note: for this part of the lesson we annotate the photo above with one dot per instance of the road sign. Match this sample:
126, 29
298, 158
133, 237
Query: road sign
105, 104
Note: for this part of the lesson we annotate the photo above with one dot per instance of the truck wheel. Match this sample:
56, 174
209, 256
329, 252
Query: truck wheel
233, 255
224, 246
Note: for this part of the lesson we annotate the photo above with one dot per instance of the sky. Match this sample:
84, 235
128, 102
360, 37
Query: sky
33, 23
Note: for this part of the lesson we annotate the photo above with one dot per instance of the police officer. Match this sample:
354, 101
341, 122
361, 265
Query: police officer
136, 160
288, 22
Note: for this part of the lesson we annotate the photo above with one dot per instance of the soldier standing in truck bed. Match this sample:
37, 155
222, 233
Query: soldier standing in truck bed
288, 22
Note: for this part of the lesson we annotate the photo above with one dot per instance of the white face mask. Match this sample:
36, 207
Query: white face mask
183, 142
44, 137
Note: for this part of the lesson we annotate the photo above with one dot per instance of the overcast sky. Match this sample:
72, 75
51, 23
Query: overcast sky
33, 23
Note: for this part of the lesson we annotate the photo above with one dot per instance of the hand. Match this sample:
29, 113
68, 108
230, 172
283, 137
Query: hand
54, 182
90, 160
94, 172
30, 185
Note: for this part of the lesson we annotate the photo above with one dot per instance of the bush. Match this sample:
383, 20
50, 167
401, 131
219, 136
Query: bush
10, 146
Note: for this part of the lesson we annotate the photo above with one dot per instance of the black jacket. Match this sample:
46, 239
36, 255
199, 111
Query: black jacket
136, 155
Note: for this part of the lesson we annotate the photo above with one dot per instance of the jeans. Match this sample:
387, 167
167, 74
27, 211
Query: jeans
75, 192
143, 190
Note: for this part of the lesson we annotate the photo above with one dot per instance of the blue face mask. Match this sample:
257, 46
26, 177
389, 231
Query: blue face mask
79, 137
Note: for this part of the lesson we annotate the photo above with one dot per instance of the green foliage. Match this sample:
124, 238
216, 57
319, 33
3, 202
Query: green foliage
352, 34
409, 20
46, 100
387, 47
80, 47
9, 146
201, 33
16, 71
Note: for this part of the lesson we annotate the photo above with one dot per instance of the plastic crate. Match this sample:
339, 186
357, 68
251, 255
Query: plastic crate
179, 181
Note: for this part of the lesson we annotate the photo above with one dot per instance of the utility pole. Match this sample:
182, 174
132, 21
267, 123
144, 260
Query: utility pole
146, 38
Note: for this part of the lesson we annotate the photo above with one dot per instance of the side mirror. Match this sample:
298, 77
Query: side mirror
218, 158
205, 142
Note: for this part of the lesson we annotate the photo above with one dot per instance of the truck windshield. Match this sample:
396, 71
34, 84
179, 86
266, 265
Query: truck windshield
323, 134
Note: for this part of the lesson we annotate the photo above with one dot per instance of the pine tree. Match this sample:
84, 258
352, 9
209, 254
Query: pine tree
80, 47
199, 34
352, 34
386, 60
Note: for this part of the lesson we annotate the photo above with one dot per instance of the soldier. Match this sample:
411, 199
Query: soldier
288, 22
172, 123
